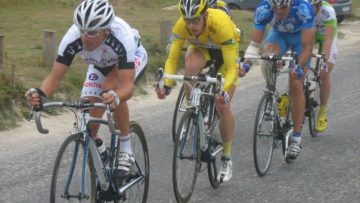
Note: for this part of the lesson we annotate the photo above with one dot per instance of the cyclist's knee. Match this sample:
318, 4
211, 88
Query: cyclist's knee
223, 110
325, 74
296, 86
271, 48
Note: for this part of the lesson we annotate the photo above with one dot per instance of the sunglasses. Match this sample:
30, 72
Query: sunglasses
92, 33
281, 7
194, 21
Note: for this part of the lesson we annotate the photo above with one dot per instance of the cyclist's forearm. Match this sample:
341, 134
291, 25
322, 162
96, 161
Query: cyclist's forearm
257, 36
305, 55
307, 45
328, 41
52, 81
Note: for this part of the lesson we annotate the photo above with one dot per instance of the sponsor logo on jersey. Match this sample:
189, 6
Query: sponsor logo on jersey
93, 76
262, 13
304, 13
137, 63
92, 84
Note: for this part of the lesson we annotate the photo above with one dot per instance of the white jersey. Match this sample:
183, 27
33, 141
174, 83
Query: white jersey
326, 16
119, 48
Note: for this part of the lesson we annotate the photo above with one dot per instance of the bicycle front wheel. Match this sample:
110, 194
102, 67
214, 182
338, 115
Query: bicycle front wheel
186, 157
313, 104
263, 143
67, 184
179, 111
141, 169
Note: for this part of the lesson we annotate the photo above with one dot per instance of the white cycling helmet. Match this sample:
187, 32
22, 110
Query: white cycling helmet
314, 1
279, 3
93, 15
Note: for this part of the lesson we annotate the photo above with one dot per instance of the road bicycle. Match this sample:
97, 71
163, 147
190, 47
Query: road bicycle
273, 122
180, 106
80, 175
312, 82
272, 127
195, 140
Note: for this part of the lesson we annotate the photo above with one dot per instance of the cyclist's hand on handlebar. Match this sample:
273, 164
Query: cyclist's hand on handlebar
162, 92
242, 70
34, 97
111, 98
297, 72
223, 96
325, 67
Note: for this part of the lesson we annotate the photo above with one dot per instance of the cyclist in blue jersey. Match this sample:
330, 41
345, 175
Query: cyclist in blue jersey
292, 24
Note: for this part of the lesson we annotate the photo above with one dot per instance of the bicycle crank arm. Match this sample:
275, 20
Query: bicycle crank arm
130, 184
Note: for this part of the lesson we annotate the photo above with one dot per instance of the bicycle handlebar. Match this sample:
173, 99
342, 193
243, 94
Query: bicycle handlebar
200, 78
75, 105
273, 57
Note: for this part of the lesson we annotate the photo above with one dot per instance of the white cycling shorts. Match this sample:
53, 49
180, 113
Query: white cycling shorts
333, 50
94, 78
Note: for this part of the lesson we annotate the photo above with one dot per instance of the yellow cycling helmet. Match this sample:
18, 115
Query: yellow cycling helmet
192, 8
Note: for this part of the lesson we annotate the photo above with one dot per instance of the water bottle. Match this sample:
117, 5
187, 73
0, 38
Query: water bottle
102, 149
283, 103
206, 123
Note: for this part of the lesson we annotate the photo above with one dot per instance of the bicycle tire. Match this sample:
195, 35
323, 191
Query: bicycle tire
141, 154
261, 119
186, 139
215, 148
314, 107
213, 166
178, 112
64, 171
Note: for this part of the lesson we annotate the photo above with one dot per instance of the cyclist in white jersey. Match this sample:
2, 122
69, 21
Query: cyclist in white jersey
116, 59
326, 34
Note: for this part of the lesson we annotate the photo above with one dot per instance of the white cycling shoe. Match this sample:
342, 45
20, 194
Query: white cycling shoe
225, 173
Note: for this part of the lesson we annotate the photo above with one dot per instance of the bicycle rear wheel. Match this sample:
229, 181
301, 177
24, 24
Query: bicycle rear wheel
264, 134
139, 191
179, 110
186, 157
215, 150
66, 182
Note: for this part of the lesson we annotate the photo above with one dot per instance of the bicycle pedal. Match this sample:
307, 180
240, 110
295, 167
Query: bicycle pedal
205, 156
221, 178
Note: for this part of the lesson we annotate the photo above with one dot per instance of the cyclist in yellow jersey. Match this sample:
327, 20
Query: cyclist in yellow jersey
219, 5
211, 35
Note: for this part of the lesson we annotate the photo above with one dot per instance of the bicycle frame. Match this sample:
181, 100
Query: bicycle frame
271, 90
103, 173
196, 96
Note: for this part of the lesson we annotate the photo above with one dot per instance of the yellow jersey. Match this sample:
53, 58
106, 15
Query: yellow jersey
219, 33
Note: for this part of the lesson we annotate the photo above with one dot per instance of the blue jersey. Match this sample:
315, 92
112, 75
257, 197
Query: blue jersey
301, 16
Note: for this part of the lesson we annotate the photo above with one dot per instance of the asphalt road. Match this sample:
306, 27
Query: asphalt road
327, 170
